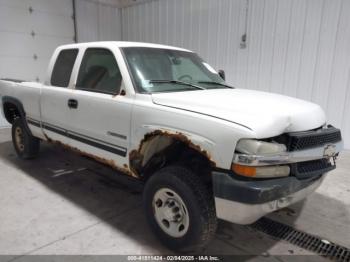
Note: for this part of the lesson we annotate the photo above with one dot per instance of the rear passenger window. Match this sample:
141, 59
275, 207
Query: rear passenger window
63, 67
99, 72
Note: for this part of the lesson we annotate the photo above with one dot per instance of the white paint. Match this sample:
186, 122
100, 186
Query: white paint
267, 114
294, 47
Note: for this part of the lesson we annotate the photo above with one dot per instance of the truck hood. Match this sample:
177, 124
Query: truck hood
264, 113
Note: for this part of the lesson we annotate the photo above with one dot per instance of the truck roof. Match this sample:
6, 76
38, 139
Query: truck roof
111, 44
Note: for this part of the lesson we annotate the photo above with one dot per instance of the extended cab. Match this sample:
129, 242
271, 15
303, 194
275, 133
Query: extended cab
159, 114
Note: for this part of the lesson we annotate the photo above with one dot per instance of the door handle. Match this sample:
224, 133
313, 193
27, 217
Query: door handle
72, 103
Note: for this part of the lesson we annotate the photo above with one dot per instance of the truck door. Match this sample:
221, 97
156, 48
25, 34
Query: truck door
55, 96
99, 120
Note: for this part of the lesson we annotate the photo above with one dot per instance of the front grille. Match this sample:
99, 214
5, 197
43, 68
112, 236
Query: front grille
309, 139
311, 168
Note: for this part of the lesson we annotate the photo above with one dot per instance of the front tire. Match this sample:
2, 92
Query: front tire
180, 209
26, 145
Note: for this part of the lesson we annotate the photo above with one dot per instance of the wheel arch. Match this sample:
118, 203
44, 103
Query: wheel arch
160, 147
12, 109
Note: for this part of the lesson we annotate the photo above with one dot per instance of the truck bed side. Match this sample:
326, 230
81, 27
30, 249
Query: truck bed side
24, 94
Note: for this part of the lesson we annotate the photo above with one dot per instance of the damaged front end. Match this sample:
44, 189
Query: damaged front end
270, 174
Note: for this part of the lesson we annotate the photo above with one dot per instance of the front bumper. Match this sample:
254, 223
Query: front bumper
244, 202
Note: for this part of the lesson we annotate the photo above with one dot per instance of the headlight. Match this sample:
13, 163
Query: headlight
255, 147
259, 148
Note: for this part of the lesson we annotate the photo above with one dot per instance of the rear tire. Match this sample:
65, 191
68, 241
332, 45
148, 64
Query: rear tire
26, 145
180, 209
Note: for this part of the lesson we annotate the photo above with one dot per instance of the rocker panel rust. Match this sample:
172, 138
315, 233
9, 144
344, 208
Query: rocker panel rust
136, 154
109, 162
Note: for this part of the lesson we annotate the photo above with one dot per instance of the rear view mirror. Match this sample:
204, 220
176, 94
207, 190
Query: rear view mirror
222, 74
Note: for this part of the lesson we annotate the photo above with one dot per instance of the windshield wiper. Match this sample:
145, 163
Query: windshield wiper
176, 82
215, 83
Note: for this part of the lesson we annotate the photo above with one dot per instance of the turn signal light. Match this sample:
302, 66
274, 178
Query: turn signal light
244, 170
261, 171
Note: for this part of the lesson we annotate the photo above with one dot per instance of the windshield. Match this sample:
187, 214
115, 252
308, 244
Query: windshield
166, 70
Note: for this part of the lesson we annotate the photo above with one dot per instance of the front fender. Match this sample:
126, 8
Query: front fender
202, 144
214, 137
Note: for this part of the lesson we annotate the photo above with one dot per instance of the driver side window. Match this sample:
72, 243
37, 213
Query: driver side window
99, 72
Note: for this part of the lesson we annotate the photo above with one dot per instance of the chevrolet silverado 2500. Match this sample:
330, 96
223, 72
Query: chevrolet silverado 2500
203, 149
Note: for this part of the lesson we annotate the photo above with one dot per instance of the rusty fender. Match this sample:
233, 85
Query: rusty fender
139, 154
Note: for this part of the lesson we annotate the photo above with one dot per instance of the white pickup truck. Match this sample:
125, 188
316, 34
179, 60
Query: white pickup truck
203, 149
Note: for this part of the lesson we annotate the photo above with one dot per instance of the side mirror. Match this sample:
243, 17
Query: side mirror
222, 74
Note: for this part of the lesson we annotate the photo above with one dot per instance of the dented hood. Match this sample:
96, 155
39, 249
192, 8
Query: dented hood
264, 113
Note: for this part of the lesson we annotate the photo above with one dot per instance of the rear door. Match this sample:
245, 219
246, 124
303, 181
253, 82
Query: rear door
55, 97
100, 121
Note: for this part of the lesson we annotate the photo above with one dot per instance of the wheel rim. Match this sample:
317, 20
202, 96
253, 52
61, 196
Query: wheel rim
170, 212
19, 139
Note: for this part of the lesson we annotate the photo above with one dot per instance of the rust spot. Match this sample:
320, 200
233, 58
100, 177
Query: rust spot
133, 154
108, 162
136, 156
